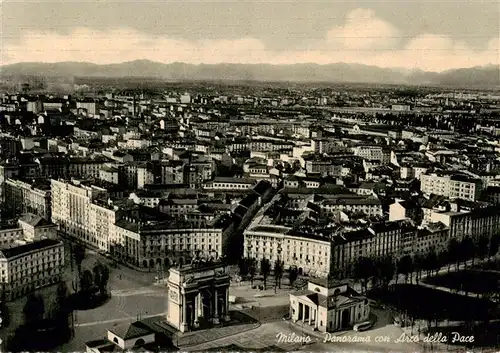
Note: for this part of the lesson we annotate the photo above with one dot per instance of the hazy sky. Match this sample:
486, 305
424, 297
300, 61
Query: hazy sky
428, 34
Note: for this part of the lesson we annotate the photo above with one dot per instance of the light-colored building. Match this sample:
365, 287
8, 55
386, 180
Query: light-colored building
376, 241
309, 253
198, 295
36, 228
451, 186
24, 197
28, 267
221, 183
109, 174
328, 307
166, 243
75, 210
317, 252
373, 153
480, 222
29, 228
11, 236
185, 98
434, 237
89, 107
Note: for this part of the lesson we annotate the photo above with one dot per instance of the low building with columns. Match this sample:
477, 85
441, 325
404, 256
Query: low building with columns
198, 295
328, 306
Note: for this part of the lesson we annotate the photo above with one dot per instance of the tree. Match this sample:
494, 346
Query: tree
62, 294
243, 268
443, 258
466, 250
4, 312
86, 283
62, 309
265, 269
101, 277
453, 252
482, 247
419, 264
292, 276
405, 266
34, 309
432, 261
493, 246
278, 273
78, 256
385, 270
363, 270
252, 269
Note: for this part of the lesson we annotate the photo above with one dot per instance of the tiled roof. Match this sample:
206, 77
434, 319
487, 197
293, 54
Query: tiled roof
129, 331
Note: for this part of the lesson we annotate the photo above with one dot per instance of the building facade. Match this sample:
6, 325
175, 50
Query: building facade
24, 197
328, 307
28, 267
198, 296
451, 186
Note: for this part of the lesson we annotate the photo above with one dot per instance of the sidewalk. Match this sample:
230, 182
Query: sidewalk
449, 290
309, 330
195, 338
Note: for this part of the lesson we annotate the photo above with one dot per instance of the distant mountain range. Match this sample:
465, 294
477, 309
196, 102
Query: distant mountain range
484, 76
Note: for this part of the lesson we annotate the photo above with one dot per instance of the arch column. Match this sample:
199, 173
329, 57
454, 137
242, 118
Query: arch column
184, 318
198, 311
215, 319
226, 305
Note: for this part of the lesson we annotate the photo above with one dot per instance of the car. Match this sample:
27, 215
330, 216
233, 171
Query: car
363, 326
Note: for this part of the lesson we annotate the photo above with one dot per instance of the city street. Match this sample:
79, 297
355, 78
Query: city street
133, 295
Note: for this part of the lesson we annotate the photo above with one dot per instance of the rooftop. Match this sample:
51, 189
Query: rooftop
37, 245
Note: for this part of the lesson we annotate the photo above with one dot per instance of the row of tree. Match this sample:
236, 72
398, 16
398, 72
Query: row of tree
381, 270
248, 269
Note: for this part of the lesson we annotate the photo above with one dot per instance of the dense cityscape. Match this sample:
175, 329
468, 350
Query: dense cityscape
250, 176
301, 210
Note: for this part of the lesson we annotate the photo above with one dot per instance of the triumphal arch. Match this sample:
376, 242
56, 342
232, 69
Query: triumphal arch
198, 295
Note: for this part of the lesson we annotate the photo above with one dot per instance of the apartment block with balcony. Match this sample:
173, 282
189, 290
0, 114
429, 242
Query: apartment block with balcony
31, 266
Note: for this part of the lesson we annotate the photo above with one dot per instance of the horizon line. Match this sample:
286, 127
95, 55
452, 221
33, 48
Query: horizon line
250, 64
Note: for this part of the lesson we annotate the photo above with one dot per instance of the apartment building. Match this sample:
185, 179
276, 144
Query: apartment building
368, 205
434, 237
452, 186
158, 244
321, 252
310, 253
28, 197
373, 153
479, 222
89, 107
376, 241
224, 183
10, 236
80, 214
31, 266
35, 228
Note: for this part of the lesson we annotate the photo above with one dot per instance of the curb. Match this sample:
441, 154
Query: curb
317, 334
256, 326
